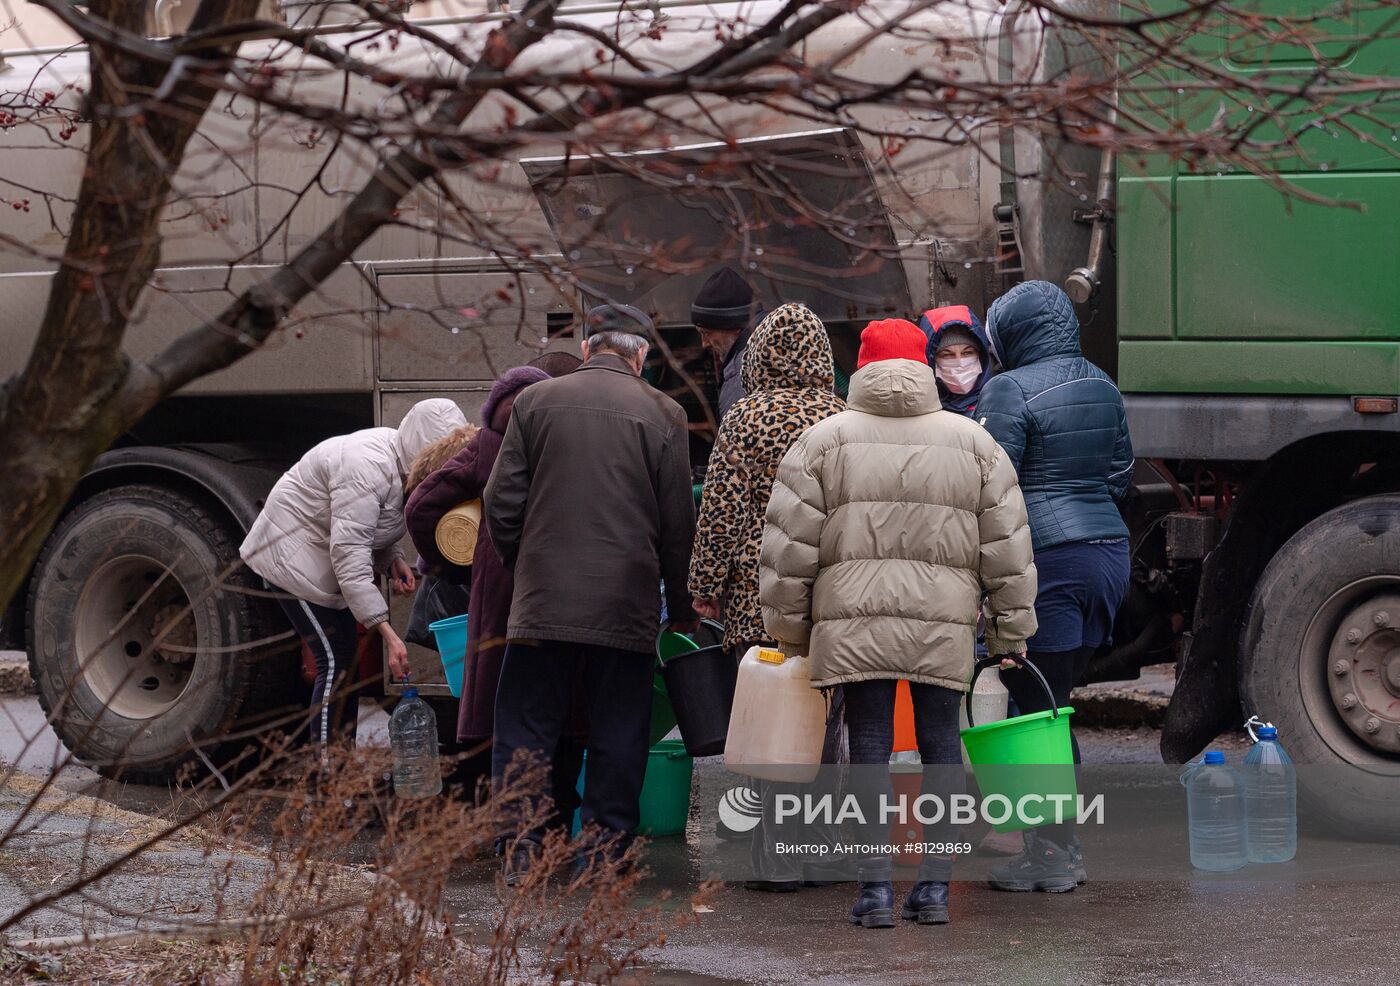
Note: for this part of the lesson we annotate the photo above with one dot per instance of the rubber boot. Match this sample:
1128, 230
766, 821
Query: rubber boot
874, 908
927, 903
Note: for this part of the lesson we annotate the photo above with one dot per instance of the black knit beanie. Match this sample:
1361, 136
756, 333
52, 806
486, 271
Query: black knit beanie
725, 301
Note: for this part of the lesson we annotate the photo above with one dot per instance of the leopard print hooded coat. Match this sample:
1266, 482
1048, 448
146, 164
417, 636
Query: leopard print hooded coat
788, 376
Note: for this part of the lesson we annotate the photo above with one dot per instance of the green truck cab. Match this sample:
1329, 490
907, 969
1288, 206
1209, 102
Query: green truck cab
1258, 351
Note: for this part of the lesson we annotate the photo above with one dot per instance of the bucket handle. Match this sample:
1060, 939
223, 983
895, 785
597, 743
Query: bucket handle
987, 662
666, 628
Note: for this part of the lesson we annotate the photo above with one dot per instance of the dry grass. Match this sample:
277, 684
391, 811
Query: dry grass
352, 891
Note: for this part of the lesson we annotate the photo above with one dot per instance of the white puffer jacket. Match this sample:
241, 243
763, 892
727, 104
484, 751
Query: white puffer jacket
336, 517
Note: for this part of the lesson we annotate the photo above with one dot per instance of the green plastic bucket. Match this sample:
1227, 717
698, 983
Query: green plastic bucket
1027, 760
670, 643
666, 789
665, 800
663, 717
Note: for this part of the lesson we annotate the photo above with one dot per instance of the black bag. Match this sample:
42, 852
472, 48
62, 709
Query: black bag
437, 599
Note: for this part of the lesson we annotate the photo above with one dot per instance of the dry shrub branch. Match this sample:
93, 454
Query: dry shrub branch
326, 878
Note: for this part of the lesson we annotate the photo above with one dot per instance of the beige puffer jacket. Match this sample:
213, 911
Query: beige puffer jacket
335, 518
886, 525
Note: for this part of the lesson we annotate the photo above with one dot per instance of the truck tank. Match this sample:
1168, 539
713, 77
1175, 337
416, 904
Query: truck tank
939, 223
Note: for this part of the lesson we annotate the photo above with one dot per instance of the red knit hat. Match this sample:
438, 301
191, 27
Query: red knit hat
892, 338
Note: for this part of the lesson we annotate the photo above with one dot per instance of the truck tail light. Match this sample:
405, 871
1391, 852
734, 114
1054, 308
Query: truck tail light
1374, 405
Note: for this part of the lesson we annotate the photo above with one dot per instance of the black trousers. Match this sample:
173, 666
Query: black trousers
532, 708
568, 760
333, 638
1062, 670
870, 725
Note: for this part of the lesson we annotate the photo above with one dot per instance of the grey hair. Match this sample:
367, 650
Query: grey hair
624, 344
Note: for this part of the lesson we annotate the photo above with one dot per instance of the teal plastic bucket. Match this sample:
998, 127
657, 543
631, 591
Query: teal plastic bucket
451, 635
665, 801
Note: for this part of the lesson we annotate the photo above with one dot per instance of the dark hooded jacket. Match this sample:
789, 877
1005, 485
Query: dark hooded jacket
464, 478
788, 377
934, 323
1058, 416
731, 374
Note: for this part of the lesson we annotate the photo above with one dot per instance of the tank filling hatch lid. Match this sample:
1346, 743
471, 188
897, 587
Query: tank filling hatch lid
799, 215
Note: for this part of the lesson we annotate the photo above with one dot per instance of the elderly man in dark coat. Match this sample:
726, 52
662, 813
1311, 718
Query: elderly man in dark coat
590, 507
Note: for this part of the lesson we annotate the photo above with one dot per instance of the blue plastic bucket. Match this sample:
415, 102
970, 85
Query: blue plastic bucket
451, 635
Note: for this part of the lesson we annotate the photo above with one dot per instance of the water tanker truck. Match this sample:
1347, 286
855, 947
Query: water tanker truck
1253, 331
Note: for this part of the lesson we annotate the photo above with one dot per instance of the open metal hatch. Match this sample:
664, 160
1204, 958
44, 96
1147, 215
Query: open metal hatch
799, 215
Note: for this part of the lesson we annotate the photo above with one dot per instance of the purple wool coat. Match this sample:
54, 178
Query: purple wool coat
464, 478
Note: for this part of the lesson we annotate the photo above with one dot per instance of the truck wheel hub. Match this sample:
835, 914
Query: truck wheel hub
172, 628
135, 636
1364, 671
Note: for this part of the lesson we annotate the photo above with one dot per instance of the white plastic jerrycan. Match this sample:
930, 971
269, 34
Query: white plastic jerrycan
778, 722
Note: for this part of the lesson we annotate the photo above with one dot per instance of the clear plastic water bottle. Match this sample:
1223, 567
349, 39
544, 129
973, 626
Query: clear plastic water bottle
413, 739
1215, 805
1270, 799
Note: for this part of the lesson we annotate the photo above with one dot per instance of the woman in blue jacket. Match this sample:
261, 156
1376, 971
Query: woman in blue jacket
1061, 420
959, 352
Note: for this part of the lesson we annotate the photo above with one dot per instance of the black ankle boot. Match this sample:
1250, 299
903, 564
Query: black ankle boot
518, 862
927, 903
874, 908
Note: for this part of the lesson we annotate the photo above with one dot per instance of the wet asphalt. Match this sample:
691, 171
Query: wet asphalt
1204, 931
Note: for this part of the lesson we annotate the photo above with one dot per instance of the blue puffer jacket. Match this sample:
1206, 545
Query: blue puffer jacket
1058, 416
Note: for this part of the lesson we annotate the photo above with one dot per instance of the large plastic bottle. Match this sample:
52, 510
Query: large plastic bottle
1215, 805
778, 721
1270, 799
989, 703
413, 740
989, 700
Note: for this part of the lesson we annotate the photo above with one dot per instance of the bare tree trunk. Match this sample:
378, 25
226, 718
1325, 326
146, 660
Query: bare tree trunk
79, 392
66, 407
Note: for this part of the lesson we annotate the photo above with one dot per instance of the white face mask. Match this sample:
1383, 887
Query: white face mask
958, 375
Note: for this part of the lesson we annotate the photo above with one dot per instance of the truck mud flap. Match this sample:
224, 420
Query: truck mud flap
1205, 701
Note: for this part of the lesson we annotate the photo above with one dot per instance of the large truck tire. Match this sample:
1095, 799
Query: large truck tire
148, 656
1320, 658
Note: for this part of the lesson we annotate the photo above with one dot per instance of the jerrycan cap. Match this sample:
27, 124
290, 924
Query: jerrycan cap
1268, 732
410, 692
1213, 757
